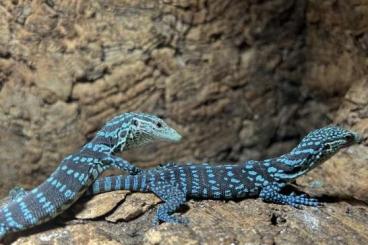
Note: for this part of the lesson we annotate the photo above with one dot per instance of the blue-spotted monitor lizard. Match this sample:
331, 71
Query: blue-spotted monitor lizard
78, 171
175, 183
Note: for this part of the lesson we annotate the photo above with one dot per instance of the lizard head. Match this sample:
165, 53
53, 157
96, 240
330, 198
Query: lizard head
325, 142
131, 130
146, 128
318, 146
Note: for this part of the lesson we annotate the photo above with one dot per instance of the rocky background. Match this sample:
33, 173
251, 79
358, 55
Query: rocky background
241, 79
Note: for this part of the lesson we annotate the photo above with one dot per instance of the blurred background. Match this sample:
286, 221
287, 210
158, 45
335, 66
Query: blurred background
241, 79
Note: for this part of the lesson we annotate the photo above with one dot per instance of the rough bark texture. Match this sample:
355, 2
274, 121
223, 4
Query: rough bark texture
239, 79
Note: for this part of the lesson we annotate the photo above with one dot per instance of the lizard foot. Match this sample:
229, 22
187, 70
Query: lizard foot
16, 192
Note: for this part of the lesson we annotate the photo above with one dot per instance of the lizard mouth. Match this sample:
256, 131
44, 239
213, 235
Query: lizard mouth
170, 135
175, 136
353, 139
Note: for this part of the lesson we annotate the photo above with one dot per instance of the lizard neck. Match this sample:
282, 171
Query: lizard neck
99, 144
288, 167
281, 169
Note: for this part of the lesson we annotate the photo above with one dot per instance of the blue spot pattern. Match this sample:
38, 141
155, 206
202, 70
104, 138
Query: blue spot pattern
265, 179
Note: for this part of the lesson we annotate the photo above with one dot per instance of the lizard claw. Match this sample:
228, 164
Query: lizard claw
172, 219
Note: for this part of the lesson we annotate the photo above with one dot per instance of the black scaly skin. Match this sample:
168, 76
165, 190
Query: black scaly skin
175, 183
79, 170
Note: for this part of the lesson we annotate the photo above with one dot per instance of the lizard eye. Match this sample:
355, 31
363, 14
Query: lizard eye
327, 147
298, 169
159, 125
349, 137
135, 122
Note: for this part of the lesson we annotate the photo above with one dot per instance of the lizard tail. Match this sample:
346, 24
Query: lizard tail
119, 182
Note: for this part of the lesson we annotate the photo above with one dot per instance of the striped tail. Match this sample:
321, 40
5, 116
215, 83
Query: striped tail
137, 183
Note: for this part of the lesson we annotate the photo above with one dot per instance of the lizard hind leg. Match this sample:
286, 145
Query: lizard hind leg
173, 198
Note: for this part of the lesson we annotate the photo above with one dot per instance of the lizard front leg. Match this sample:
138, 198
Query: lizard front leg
17, 192
121, 164
271, 193
173, 198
